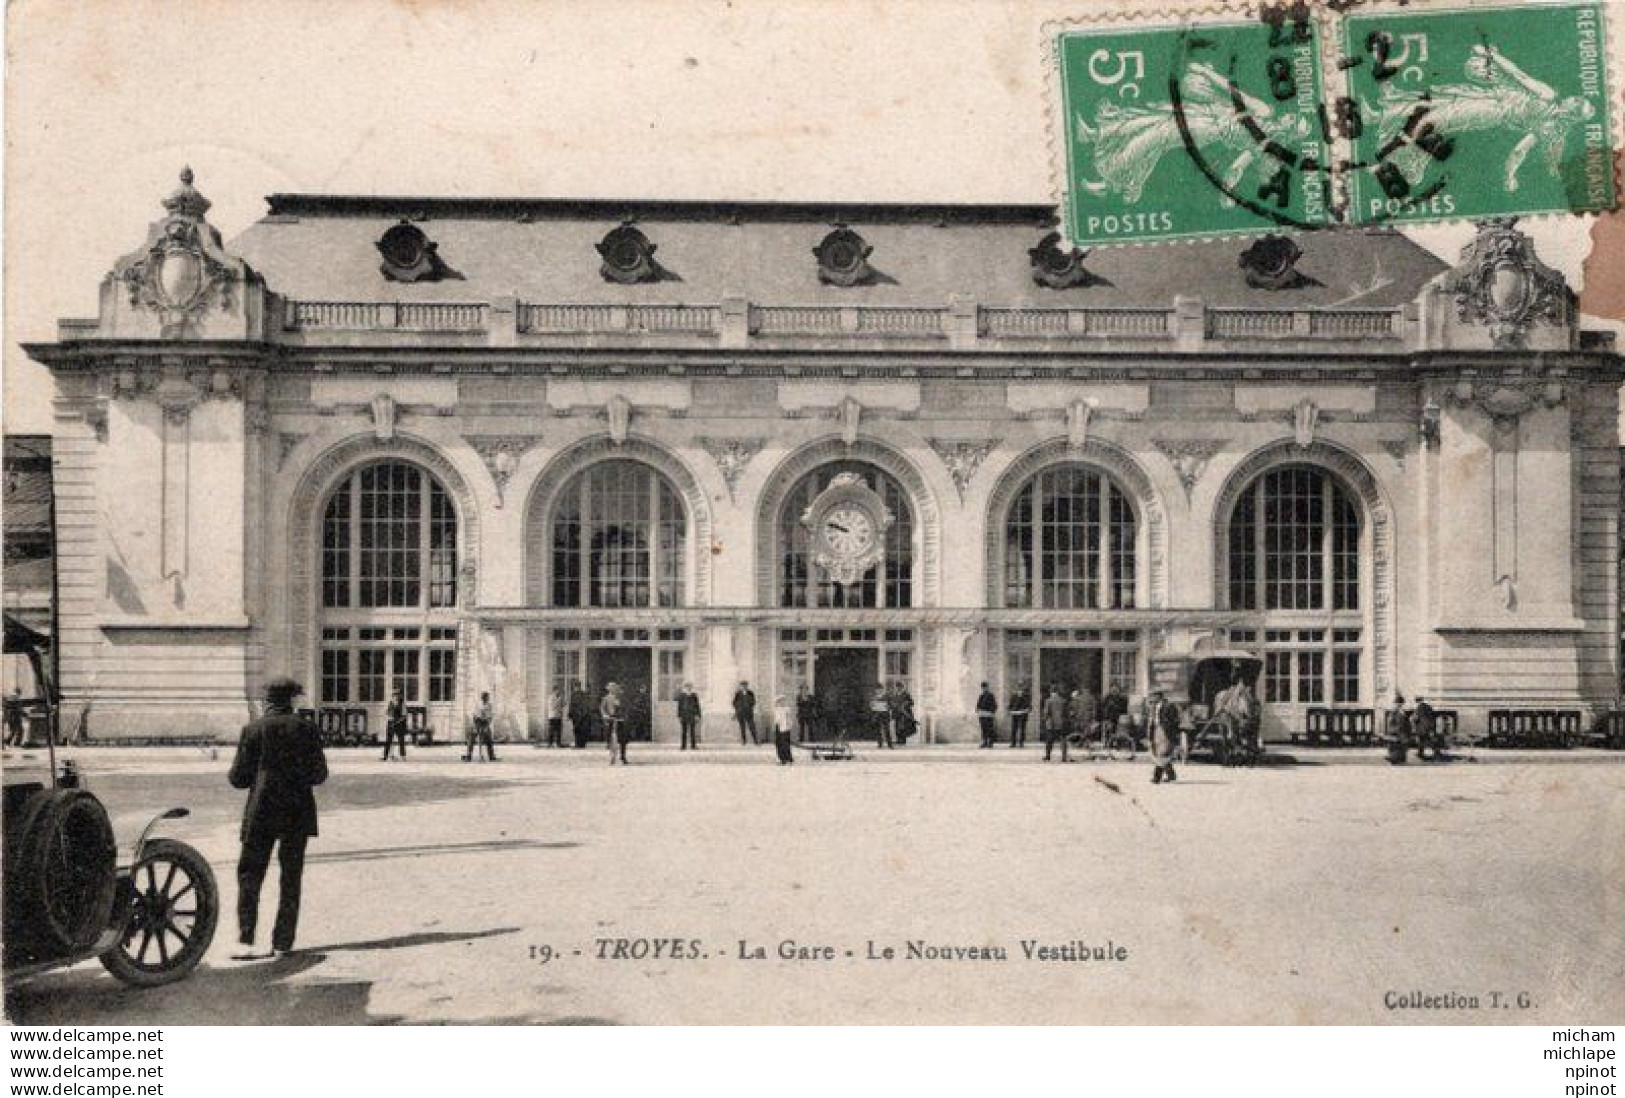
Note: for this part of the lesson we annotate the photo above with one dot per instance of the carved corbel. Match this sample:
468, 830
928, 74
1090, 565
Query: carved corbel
732, 455
962, 459
384, 411
1078, 415
619, 412
1190, 458
501, 454
850, 413
1305, 418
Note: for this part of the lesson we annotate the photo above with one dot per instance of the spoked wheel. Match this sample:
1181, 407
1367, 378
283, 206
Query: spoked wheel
173, 913
1120, 746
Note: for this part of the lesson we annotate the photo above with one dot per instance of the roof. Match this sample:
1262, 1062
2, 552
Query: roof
27, 507
322, 248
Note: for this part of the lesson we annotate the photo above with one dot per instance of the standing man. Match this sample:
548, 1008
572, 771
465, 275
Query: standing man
806, 713
781, 731
688, 717
1113, 706
14, 717
1398, 729
279, 760
612, 711
1084, 712
1425, 726
986, 706
580, 714
483, 717
745, 713
1053, 718
555, 719
1020, 706
395, 721
880, 716
1162, 721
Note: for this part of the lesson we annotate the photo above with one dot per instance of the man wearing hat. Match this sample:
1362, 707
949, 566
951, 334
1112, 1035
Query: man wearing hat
279, 760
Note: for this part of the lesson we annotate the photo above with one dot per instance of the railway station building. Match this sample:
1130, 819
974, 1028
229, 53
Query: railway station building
505, 445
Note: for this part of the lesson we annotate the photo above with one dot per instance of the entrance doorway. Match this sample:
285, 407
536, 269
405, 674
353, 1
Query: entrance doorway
844, 679
1070, 669
629, 667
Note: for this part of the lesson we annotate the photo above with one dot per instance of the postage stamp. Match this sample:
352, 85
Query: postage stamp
1241, 126
1183, 131
1478, 113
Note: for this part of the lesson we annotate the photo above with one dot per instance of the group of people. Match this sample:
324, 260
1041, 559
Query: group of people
1062, 713
1418, 728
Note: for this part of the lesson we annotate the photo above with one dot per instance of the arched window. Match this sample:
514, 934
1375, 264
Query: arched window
1294, 554
1069, 543
389, 587
619, 538
889, 584
1295, 543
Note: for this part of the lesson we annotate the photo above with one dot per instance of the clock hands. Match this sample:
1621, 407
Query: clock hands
833, 525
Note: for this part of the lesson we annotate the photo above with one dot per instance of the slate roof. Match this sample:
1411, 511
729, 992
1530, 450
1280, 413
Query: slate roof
27, 497
314, 247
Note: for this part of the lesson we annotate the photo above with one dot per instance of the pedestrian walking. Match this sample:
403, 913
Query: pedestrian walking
986, 706
745, 713
1162, 722
688, 717
782, 730
612, 711
395, 721
1020, 706
279, 760
1053, 719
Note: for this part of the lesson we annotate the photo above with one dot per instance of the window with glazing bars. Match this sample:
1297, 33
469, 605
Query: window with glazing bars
888, 584
619, 538
1069, 543
1294, 543
387, 529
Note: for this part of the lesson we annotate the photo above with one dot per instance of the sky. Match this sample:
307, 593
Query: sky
887, 100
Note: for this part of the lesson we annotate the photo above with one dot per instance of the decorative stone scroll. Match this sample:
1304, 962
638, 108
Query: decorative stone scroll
1500, 283
383, 417
1189, 457
1305, 418
731, 456
962, 459
501, 454
1505, 400
1078, 415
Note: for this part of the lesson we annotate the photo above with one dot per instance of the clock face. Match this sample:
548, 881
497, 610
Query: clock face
848, 530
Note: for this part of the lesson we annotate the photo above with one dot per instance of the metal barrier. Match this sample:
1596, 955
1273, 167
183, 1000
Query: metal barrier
1533, 728
1338, 726
1607, 731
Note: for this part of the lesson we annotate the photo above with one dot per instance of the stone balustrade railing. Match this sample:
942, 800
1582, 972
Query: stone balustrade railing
962, 324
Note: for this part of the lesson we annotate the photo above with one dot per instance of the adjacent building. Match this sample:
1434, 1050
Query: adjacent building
511, 445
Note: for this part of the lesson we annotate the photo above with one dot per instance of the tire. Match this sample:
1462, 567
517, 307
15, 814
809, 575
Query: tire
60, 873
168, 875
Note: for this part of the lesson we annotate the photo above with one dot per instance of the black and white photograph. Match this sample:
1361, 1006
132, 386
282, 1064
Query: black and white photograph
784, 514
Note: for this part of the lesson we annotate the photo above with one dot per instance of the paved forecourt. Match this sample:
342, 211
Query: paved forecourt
443, 891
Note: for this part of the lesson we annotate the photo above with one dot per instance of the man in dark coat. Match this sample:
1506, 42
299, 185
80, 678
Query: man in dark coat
1052, 718
1162, 722
279, 760
395, 721
1020, 706
688, 717
986, 706
580, 714
745, 713
806, 714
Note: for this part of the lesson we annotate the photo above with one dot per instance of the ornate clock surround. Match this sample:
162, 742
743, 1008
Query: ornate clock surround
847, 490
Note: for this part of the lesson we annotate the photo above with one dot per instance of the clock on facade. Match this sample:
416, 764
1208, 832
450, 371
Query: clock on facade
848, 523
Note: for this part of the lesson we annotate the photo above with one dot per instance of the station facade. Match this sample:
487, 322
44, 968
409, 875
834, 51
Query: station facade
507, 445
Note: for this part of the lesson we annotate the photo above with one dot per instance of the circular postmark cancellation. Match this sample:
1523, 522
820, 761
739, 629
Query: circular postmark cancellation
1434, 119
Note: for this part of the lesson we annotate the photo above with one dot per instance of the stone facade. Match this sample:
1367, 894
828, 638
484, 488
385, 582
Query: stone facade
207, 417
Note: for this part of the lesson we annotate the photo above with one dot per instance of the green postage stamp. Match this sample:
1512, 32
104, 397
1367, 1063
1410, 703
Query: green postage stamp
1302, 119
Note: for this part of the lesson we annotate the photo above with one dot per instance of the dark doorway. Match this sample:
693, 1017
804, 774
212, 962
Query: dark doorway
631, 668
844, 680
1070, 669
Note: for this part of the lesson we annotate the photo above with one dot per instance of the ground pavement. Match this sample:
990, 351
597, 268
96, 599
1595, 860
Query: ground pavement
1330, 889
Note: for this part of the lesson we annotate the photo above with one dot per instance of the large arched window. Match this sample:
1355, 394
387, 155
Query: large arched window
1069, 543
389, 587
1294, 554
889, 584
1295, 543
619, 538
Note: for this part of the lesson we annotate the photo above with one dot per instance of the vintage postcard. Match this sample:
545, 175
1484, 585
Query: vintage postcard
889, 513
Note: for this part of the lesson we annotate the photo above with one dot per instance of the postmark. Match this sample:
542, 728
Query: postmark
1479, 113
1188, 131
1305, 118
